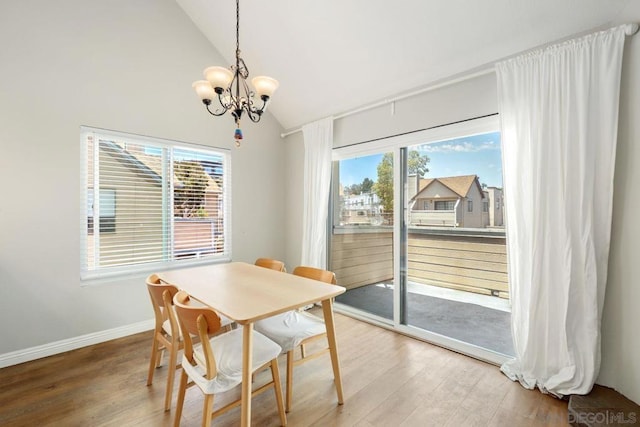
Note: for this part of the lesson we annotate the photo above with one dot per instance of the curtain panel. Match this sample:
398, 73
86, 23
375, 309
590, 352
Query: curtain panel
318, 142
559, 118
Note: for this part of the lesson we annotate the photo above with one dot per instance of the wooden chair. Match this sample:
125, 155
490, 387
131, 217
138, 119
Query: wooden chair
215, 365
295, 328
272, 264
166, 334
164, 337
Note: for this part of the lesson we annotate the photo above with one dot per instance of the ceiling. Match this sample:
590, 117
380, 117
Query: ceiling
332, 56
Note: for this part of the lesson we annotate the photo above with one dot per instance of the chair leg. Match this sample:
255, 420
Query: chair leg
207, 410
159, 356
302, 352
153, 359
173, 356
181, 392
289, 379
275, 374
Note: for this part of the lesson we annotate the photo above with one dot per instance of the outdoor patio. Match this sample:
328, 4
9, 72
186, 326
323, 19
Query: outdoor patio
475, 319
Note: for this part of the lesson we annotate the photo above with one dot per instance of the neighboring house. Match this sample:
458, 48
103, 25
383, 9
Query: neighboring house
456, 201
496, 206
361, 209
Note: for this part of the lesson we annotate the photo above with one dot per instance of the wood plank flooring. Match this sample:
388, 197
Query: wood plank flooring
389, 380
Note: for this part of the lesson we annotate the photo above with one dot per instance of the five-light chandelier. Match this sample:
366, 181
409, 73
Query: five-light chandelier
230, 89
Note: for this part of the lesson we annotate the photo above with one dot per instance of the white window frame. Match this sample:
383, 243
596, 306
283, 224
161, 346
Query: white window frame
108, 273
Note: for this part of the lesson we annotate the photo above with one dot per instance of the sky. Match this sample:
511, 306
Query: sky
479, 154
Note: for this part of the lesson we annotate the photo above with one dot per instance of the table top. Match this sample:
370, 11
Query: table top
247, 293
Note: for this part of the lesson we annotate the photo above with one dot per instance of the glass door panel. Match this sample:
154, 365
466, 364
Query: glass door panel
456, 266
361, 235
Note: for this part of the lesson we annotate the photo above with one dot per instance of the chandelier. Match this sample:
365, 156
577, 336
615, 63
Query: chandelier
228, 89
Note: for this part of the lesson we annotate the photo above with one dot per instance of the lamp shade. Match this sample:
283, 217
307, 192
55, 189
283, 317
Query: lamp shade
204, 90
219, 77
264, 85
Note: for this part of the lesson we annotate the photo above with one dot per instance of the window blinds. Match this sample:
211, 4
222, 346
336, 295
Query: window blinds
151, 203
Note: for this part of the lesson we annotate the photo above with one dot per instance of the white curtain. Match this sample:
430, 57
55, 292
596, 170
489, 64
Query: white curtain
318, 142
559, 113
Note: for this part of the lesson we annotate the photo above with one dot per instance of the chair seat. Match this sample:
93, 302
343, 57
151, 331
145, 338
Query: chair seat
291, 328
227, 350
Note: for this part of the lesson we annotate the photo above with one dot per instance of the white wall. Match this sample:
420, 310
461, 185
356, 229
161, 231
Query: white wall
620, 367
621, 346
294, 188
123, 65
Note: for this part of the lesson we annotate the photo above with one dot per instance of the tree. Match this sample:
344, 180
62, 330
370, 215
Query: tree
364, 187
367, 185
355, 189
188, 195
384, 186
417, 164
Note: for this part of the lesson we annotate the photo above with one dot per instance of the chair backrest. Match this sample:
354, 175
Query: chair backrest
316, 274
201, 322
272, 264
162, 300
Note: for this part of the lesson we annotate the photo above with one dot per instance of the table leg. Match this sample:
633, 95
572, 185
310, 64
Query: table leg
247, 350
327, 310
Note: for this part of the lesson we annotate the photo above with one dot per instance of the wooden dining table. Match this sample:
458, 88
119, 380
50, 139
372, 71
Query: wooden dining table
247, 293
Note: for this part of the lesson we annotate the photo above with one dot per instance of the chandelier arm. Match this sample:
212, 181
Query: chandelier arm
234, 98
216, 114
254, 116
265, 101
243, 70
248, 94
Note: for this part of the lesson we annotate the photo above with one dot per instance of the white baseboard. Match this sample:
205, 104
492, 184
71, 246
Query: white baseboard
38, 352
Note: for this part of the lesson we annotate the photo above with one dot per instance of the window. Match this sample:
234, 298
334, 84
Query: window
158, 202
469, 205
485, 206
107, 222
444, 205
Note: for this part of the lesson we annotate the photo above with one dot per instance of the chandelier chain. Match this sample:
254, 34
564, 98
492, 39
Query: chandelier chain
237, 27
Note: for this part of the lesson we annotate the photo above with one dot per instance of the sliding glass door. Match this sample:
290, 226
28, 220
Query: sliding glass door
418, 240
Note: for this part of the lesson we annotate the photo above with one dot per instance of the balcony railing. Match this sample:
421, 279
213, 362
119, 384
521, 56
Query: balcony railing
472, 260
437, 218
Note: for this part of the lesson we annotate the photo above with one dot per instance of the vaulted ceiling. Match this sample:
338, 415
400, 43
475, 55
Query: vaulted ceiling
331, 56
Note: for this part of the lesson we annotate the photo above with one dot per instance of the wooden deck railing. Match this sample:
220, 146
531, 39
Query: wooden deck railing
362, 255
468, 260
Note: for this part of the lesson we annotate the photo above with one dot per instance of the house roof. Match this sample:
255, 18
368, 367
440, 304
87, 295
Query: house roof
148, 165
130, 160
458, 184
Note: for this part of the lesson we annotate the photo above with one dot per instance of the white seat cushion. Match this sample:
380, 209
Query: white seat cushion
290, 328
227, 349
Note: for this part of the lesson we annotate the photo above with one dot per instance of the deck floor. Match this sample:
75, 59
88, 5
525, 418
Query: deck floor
472, 323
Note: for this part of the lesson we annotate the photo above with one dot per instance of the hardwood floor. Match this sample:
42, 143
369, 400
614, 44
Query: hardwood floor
389, 380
